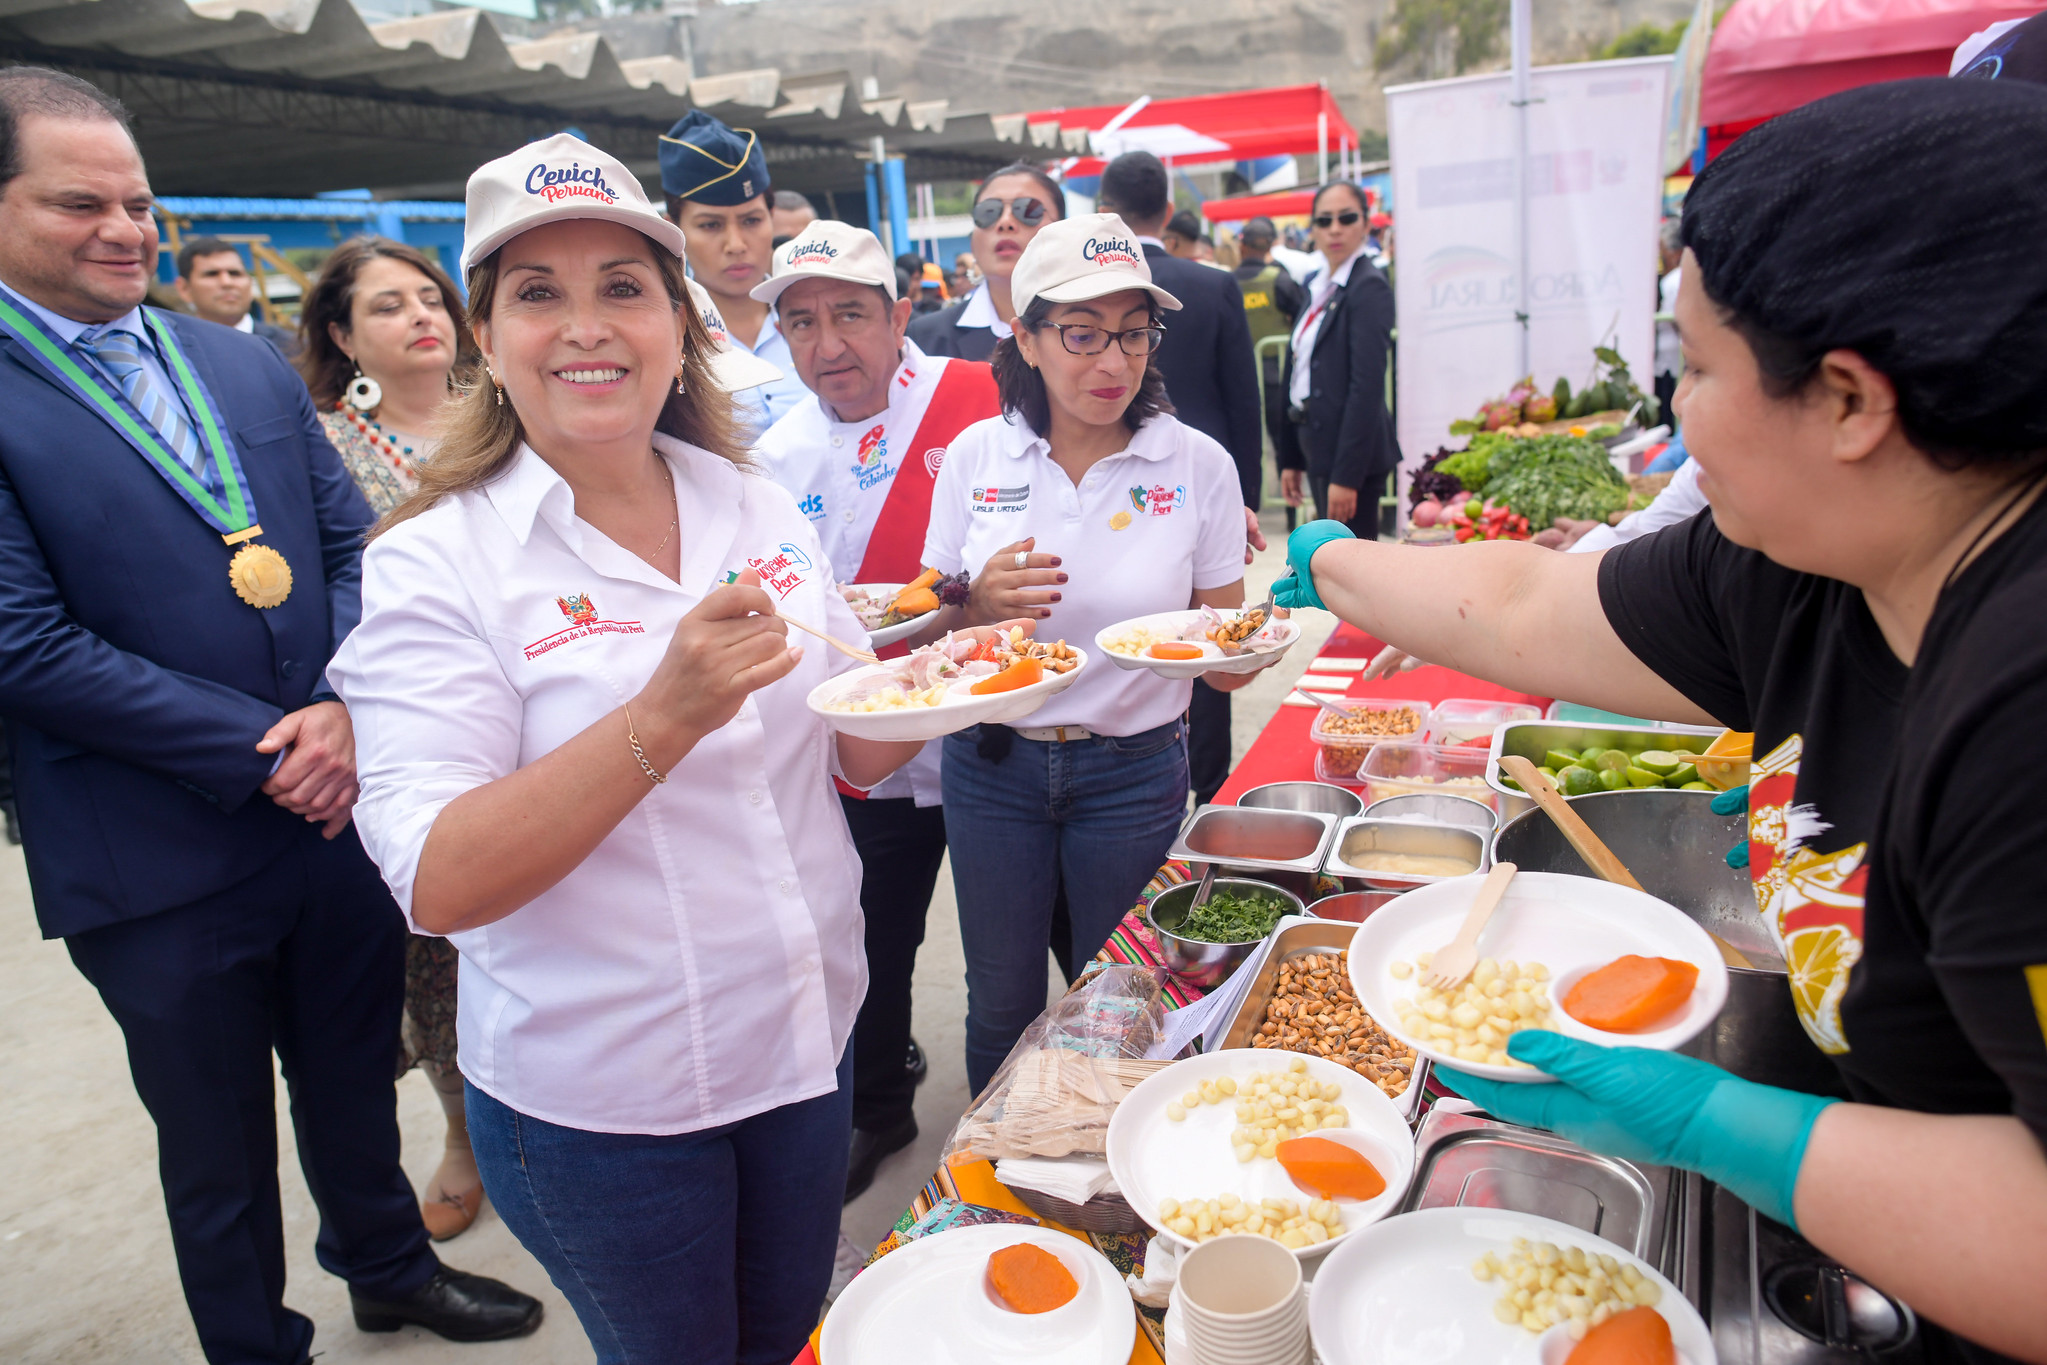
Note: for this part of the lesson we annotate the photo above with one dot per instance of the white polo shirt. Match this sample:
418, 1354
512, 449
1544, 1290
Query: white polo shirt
705, 963
840, 474
1142, 532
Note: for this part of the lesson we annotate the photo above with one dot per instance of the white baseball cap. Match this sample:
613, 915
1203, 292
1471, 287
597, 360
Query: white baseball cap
557, 177
829, 251
732, 365
1082, 258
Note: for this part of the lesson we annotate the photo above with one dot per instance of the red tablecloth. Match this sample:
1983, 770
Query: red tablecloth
1283, 753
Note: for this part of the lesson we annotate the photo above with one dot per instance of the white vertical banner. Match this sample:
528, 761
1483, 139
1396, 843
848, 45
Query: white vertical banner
1595, 191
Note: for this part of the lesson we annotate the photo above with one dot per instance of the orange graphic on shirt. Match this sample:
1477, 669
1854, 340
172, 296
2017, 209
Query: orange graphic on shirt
1812, 901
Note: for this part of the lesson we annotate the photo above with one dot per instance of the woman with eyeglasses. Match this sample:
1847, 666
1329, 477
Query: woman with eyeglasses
1086, 503
1009, 208
1338, 431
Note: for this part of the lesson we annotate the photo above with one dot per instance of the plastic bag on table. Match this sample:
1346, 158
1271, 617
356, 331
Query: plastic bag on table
1054, 1093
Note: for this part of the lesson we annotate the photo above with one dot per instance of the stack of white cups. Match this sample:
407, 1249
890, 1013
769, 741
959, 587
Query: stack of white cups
1243, 1303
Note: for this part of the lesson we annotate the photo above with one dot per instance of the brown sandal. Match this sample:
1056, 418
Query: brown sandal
449, 1215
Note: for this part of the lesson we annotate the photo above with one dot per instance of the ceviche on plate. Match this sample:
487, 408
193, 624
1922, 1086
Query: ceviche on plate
893, 611
992, 674
1184, 644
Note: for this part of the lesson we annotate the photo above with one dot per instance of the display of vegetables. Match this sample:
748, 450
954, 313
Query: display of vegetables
1429, 482
1612, 389
1230, 918
1555, 476
1472, 519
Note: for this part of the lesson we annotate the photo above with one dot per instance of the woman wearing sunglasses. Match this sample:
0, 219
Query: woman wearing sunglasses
1338, 432
1009, 208
1086, 503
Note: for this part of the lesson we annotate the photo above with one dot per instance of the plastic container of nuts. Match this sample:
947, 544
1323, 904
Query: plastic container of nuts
1343, 741
1303, 966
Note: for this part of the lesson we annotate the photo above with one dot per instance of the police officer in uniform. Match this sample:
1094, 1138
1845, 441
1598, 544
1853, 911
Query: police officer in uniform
1272, 300
716, 182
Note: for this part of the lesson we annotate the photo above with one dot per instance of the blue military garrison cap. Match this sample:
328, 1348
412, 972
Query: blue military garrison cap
703, 160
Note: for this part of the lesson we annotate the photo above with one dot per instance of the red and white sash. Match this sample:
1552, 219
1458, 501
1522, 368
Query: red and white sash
964, 395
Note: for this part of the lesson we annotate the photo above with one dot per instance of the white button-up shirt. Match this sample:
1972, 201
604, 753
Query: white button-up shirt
705, 962
1143, 531
840, 474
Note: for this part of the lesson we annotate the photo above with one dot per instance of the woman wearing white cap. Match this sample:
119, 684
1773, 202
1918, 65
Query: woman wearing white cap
585, 757
1086, 503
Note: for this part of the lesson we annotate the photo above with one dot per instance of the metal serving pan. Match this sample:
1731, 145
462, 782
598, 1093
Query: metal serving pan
1295, 941
1244, 836
1531, 739
1463, 1161
1362, 834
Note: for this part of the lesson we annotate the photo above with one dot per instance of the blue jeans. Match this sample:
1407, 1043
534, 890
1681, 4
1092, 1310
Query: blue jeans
707, 1248
1096, 815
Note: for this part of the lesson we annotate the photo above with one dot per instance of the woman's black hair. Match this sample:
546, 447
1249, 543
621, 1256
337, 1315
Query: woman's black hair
1022, 389
1933, 270
1326, 186
1046, 183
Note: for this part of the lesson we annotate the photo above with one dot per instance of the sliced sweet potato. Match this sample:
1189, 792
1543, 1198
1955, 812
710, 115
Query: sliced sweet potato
1325, 1167
1175, 649
1631, 994
1639, 1336
914, 602
1022, 673
1030, 1279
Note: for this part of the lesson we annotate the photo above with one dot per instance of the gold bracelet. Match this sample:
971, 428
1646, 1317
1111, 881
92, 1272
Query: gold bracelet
639, 753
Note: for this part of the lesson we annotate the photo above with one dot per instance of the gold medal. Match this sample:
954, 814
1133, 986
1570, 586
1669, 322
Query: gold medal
259, 576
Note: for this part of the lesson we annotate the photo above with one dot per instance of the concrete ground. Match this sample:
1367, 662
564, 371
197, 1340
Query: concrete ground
86, 1272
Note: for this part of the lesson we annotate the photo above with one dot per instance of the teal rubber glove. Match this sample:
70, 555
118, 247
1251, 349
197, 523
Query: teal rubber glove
1734, 799
1299, 589
1643, 1105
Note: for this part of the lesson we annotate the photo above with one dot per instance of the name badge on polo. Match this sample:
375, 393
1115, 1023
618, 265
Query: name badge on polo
1001, 499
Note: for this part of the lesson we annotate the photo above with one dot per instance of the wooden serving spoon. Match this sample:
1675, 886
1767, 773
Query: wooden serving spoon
1590, 847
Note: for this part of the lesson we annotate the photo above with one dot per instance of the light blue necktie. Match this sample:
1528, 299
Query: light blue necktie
121, 354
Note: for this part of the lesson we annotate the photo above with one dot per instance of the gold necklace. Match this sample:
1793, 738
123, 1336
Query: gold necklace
672, 521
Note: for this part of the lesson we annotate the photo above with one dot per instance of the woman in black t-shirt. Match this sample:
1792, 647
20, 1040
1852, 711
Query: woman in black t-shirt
1864, 321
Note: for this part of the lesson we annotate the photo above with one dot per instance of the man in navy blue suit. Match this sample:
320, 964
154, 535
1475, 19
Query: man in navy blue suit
179, 557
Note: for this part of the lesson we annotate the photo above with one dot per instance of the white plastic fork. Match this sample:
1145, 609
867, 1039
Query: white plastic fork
1455, 960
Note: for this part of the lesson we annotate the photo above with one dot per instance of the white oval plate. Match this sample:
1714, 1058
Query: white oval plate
1402, 1293
958, 710
1212, 659
1154, 1158
1568, 924
928, 1301
888, 635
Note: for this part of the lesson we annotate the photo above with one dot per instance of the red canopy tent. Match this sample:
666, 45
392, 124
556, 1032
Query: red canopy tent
1772, 55
1241, 125
1282, 204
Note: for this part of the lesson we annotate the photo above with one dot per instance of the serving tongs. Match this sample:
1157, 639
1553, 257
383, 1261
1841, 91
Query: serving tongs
1590, 846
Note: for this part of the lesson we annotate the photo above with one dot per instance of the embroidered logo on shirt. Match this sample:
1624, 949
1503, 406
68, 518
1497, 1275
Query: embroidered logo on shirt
1811, 901
1158, 499
812, 507
1001, 499
583, 622
870, 463
781, 572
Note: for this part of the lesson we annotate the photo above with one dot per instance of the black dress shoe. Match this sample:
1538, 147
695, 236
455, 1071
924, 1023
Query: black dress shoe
454, 1304
869, 1150
916, 1065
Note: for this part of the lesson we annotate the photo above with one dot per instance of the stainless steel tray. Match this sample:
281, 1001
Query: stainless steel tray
1212, 833
1299, 940
1462, 1161
1533, 738
1360, 833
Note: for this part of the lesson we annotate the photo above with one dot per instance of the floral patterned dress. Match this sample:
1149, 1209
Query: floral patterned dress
384, 474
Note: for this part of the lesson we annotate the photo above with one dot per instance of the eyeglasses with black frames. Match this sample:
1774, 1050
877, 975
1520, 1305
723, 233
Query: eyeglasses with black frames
1081, 339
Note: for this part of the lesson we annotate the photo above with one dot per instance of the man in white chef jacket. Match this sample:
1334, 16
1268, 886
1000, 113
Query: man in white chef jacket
860, 455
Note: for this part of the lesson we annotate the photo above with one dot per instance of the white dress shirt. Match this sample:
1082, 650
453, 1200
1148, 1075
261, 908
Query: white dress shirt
1143, 531
980, 312
1321, 289
705, 962
840, 474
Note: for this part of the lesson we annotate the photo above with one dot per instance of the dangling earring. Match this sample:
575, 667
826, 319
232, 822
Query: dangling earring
364, 394
495, 385
680, 365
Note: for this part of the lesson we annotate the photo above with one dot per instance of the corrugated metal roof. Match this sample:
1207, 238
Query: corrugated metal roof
282, 97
